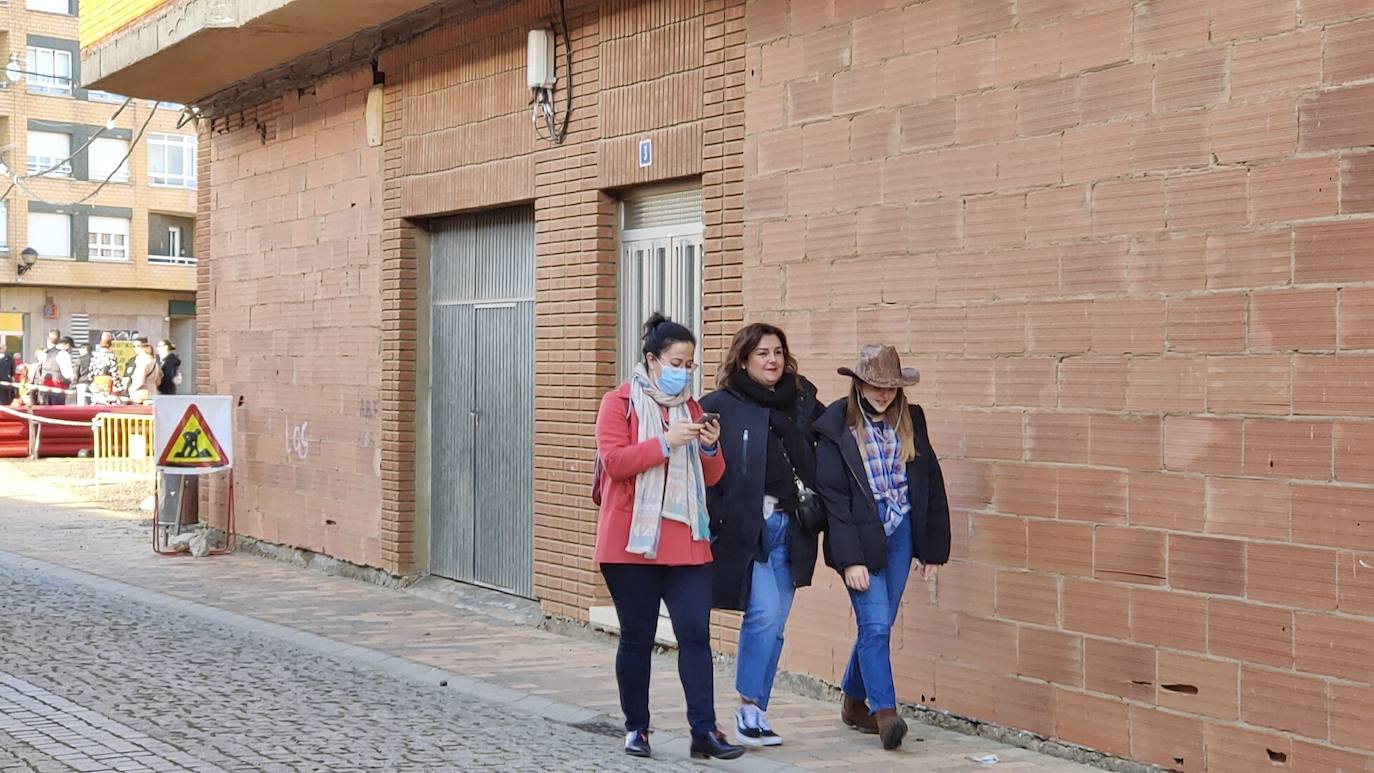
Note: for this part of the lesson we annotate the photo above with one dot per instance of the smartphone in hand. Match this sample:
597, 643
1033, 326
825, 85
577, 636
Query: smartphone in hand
709, 418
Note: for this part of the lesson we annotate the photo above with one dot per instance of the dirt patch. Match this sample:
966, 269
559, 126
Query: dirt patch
77, 478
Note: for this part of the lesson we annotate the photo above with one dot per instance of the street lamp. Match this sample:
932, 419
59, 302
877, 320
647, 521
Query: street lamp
28, 257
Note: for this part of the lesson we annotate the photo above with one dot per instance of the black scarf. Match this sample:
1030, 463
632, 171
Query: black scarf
785, 442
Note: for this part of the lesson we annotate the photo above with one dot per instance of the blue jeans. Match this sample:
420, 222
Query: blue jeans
770, 601
869, 673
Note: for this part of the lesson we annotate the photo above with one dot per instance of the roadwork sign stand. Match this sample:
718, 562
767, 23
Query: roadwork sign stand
194, 436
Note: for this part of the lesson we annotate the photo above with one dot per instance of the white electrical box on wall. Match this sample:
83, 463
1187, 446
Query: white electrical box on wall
540, 69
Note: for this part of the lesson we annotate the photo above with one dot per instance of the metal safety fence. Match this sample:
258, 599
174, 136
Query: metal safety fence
123, 446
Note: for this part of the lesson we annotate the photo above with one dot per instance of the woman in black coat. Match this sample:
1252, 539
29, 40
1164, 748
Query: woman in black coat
885, 499
170, 364
763, 549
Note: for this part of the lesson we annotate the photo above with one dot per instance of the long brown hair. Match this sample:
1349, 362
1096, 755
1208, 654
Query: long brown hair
898, 409
744, 344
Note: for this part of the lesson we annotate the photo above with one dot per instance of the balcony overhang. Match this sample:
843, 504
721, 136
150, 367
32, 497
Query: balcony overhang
188, 51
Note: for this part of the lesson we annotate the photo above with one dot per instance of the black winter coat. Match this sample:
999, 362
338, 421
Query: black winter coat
736, 502
855, 534
170, 368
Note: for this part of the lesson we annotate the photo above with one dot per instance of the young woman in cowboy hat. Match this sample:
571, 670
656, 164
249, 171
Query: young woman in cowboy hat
885, 499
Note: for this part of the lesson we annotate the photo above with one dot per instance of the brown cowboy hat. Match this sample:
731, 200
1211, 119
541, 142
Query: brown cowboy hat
879, 366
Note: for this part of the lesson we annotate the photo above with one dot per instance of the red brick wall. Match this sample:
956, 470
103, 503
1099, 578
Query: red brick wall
291, 316
459, 137
1126, 244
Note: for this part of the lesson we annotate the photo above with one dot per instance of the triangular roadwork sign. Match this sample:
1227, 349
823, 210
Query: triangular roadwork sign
192, 444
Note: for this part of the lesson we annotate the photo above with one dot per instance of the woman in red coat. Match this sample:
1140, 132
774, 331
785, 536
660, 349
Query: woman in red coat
653, 535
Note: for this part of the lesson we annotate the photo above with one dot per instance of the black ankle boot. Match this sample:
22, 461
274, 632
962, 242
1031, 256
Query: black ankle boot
714, 745
637, 744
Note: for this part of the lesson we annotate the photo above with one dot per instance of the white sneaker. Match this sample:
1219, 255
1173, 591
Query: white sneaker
770, 738
751, 728
747, 730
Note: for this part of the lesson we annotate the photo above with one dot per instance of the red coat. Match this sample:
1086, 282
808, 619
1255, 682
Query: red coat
624, 458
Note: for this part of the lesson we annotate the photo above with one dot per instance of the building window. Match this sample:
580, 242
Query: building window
660, 263
4, 226
50, 154
50, 234
109, 238
50, 71
169, 239
63, 7
172, 160
108, 155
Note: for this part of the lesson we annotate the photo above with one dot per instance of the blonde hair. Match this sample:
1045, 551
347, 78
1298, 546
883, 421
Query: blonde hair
906, 431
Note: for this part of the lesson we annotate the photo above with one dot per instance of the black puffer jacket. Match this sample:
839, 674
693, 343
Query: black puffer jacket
855, 534
736, 502
170, 368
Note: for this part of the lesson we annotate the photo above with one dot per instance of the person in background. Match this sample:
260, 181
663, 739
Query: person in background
104, 370
58, 373
764, 547
83, 374
33, 374
886, 505
146, 376
21, 379
7, 364
128, 375
170, 365
653, 533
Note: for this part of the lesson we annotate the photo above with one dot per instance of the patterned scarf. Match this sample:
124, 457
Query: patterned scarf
675, 490
882, 453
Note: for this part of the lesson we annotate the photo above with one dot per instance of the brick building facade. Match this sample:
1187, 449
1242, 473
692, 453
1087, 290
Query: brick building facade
1126, 243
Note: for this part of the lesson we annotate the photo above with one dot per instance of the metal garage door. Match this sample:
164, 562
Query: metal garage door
482, 399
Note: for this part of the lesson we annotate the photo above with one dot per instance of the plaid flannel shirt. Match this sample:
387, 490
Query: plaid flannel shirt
886, 472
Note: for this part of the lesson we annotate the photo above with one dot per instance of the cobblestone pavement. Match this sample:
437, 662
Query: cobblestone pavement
239, 657
93, 682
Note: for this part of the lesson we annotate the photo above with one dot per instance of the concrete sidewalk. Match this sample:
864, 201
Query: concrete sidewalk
567, 677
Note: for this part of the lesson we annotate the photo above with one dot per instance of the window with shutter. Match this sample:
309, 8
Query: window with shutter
48, 154
50, 234
660, 263
107, 159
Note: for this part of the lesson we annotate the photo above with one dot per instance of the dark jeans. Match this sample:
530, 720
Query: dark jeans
636, 590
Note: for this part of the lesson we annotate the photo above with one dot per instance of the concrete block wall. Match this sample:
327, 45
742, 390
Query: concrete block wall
290, 299
1126, 244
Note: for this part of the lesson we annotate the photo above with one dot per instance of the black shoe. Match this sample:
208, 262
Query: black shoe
714, 745
637, 744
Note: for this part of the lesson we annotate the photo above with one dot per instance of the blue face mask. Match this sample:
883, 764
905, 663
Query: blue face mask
673, 379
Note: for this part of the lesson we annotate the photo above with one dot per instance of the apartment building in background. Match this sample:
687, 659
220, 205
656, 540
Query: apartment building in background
122, 259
